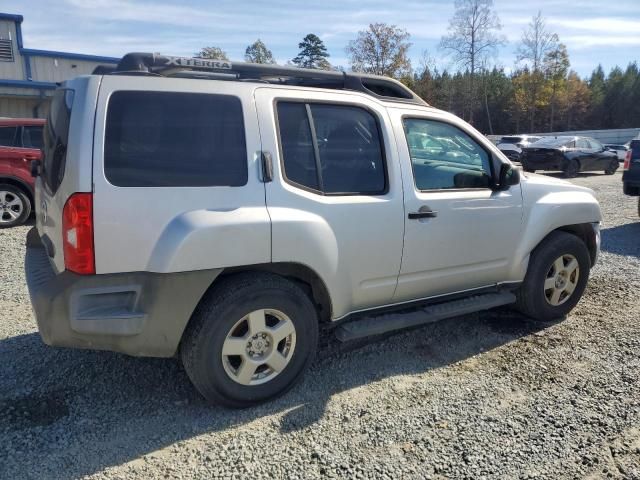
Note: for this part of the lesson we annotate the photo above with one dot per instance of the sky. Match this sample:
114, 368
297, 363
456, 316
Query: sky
595, 31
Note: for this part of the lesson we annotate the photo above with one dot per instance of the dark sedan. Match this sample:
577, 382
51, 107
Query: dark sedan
570, 155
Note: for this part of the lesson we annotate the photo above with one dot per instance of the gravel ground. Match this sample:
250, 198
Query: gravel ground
483, 396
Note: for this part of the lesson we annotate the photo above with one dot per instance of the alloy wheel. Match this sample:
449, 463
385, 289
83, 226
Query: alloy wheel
562, 279
11, 206
259, 347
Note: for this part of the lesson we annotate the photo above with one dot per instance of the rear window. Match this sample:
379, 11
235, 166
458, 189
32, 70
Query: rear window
166, 139
635, 149
554, 142
56, 137
32, 137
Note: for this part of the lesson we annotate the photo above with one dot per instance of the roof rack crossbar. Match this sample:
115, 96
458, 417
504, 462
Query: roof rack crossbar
152, 63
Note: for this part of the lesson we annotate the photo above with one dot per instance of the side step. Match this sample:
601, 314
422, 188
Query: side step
384, 323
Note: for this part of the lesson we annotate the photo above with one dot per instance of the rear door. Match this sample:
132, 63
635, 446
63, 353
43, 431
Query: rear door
175, 173
9, 154
336, 200
29, 149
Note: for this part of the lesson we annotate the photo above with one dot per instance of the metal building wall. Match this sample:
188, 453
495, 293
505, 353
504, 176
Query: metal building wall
11, 70
51, 69
22, 107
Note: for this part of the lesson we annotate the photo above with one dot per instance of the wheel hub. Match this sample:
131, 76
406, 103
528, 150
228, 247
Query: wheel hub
259, 345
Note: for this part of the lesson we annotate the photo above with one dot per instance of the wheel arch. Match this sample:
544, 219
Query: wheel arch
301, 274
586, 233
21, 184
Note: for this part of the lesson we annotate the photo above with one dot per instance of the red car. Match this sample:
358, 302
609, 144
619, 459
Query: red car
21, 141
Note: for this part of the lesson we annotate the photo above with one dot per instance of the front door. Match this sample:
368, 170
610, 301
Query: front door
459, 233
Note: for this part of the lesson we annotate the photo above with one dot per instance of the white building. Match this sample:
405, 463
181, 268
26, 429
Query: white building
28, 76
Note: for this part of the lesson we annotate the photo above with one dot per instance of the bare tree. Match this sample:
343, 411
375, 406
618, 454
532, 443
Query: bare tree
381, 50
537, 41
472, 38
213, 53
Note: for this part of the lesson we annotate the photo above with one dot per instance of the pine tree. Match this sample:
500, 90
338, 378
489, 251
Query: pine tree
313, 53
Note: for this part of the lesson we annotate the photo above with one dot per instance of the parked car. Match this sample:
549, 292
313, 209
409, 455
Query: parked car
620, 150
223, 218
631, 173
511, 145
20, 144
570, 155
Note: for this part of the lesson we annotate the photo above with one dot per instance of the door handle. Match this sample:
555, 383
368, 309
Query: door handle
424, 212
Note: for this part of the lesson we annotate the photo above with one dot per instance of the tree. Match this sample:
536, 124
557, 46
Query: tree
258, 52
213, 53
556, 65
577, 101
536, 42
381, 50
313, 53
472, 38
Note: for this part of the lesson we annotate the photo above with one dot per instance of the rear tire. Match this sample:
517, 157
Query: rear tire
556, 277
613, 166
571, 169
15, 206
250, 339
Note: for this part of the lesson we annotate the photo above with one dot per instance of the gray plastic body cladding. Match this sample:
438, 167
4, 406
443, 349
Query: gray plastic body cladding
149, 322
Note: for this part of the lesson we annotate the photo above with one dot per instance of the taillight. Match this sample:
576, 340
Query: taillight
77, 234
627, 160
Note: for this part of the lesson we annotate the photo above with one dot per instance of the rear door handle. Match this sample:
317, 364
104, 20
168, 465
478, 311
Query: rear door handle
424, 212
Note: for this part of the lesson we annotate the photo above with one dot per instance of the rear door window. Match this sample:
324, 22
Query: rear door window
332, 149
167, 139
32, 137
7, 136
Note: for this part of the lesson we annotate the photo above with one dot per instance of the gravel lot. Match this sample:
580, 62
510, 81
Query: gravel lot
483, 396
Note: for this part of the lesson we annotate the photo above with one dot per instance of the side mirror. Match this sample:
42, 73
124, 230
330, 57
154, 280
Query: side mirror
507, 177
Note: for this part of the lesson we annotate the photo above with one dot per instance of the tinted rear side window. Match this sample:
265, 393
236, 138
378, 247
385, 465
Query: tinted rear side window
333, 149
32, 137
7, 136
56, 137
166, 139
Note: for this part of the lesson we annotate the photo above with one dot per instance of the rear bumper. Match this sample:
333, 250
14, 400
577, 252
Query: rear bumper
139, 313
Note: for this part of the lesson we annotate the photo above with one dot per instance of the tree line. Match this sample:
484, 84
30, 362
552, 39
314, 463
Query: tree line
540, 94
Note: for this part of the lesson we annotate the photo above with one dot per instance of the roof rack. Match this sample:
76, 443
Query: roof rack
383, 88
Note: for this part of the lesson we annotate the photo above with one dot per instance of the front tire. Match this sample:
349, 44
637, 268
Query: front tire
250, 340
15, 206
556, 277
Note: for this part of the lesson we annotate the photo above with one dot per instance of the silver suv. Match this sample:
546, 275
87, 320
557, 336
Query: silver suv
223, 211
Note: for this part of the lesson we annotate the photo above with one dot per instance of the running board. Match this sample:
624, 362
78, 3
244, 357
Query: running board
383, 323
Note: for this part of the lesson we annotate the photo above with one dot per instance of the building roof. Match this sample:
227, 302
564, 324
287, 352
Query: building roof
31, 52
